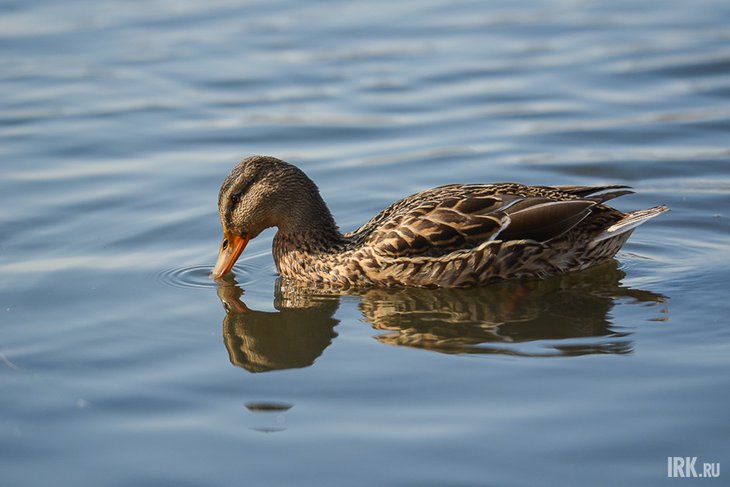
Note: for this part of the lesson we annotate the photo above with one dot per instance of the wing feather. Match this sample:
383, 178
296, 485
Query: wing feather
599, 194
545, 220
438, 226
458, 217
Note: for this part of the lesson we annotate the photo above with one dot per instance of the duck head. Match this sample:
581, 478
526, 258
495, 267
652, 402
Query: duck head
262, 192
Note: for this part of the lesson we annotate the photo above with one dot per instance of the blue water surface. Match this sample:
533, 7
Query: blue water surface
122, 363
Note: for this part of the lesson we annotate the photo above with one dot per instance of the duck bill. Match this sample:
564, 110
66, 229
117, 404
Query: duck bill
231, 248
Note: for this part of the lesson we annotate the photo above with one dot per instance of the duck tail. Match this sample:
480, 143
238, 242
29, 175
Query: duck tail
630, 221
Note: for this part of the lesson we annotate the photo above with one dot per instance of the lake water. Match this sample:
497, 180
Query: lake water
122, 364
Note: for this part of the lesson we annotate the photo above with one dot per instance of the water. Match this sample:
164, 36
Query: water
122, 364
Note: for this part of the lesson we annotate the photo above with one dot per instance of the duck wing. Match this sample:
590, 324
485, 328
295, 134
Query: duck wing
542, 220
599, 194
456, 217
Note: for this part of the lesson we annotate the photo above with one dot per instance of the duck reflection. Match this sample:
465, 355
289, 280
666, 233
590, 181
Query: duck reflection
293, 337
563, 316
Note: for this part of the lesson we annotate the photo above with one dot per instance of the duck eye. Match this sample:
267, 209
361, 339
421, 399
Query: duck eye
224, 246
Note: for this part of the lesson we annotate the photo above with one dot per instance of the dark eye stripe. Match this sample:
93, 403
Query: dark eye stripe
235, 198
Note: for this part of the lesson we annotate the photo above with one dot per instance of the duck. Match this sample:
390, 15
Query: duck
452, 236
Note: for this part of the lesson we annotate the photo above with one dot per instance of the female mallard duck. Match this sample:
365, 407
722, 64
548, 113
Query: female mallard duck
452, 236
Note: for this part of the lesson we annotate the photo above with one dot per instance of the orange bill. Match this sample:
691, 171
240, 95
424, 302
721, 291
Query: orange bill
231, 248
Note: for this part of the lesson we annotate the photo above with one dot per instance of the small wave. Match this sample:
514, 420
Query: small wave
198, 276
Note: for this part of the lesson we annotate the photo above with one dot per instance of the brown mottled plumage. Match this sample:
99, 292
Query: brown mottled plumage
457, 235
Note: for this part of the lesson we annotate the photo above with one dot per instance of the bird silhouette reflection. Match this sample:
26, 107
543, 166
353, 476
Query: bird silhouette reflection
563, 316
292, 337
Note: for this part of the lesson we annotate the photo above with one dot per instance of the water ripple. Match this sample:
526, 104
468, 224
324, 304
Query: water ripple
198, 276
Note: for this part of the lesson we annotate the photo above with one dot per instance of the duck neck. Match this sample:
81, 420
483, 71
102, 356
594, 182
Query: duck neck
308, 230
